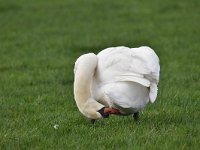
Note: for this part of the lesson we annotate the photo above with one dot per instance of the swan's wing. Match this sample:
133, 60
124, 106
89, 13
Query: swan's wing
152, 67
139, 65
134, 78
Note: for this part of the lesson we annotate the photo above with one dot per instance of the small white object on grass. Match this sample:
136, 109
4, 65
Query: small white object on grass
56, 126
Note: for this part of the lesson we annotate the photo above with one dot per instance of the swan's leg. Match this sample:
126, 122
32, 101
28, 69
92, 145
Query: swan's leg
92, 121
136, 116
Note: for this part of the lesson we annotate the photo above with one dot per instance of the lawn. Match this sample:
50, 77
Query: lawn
39, 43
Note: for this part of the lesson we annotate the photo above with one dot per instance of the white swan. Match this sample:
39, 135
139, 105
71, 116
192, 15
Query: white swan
119, 80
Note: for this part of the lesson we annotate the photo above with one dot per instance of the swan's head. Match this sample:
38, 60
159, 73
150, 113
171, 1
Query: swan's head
105, 111
94, 110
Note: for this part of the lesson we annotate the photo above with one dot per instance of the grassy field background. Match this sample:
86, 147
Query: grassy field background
39, 43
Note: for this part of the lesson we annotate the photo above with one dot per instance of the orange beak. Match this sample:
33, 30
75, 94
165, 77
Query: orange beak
111, 110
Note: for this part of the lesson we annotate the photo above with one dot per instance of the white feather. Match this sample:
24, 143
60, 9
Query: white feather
125, 78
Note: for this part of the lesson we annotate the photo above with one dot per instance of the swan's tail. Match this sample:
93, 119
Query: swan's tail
153, 92
153, 78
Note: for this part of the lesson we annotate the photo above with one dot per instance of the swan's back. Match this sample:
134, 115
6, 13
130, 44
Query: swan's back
119, 61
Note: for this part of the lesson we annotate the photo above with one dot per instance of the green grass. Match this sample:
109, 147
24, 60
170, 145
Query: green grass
39, 43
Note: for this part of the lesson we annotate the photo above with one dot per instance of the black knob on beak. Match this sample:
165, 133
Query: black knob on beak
103, 114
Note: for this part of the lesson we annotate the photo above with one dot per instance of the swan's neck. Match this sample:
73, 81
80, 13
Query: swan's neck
82, 85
